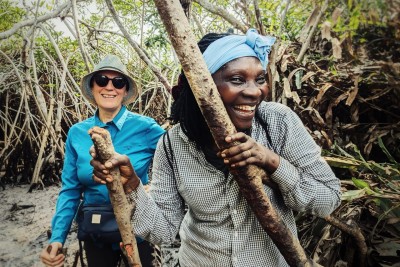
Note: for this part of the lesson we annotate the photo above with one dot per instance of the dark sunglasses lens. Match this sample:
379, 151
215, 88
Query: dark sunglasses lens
101, 80
119, 82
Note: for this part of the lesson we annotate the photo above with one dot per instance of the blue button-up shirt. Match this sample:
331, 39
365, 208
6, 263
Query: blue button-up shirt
132, 134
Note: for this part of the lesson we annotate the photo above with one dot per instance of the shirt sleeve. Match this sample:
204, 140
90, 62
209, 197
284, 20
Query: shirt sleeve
305, 179
69, 196
159, 214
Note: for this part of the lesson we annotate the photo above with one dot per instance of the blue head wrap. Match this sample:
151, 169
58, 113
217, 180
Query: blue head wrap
231, 47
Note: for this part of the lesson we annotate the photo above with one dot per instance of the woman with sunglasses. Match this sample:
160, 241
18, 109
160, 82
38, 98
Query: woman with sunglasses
109, 87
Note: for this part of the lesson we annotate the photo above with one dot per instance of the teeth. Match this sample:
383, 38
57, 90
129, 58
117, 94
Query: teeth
108, 96
245, 107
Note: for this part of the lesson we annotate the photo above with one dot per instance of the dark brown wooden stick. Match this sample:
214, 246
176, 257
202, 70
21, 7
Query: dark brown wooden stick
355, 232
249, 178
122, 208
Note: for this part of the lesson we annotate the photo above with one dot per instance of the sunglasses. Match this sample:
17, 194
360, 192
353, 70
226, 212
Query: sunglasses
102, 81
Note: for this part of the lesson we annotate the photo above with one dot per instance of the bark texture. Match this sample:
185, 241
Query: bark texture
249, 178
122, 209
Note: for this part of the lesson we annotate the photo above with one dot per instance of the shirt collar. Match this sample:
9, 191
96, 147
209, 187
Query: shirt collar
118, 120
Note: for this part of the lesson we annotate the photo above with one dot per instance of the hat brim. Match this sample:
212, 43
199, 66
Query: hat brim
87, 90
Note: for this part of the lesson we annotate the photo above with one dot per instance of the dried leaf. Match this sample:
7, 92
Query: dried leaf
312, 19
290, 76
277, 78
372, 138
336, 14
322, 91
353, 92
284, 63
354, 113
286, 88
295, 97
326, 30
388, 247
281, 51
328, 140
315, 116
353, 194
341, 162
307, 76
337, 49
334, 103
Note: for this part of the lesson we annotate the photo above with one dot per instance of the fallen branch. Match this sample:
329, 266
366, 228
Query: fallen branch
355, 232
122, 209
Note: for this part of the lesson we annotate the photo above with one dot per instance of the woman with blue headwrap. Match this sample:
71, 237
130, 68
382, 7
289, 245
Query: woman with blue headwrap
219, 229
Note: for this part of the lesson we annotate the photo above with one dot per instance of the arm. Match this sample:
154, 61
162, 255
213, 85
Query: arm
158, 216
306, 181
69, 196
67, 203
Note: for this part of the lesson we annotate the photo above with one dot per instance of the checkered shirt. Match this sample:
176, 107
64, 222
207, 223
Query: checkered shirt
219, 229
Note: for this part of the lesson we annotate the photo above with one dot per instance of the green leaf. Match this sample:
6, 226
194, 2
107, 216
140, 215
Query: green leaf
341, 162
382, 146
353, 194
362, 184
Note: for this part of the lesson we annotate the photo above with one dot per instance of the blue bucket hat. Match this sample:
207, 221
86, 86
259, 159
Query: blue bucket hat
110, 62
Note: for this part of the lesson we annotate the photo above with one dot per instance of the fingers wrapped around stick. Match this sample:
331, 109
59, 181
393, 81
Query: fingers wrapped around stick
102, 172
246, 151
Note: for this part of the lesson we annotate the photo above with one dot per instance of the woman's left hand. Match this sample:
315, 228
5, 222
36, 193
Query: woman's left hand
247, 152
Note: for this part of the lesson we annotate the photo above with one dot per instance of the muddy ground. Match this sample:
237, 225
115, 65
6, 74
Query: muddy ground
24, 225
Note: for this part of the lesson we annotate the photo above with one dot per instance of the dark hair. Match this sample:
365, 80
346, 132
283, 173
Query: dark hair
185, 109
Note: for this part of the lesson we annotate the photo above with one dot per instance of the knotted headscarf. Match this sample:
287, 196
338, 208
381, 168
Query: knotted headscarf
231, 47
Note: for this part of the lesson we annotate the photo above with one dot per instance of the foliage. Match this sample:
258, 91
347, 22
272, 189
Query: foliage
371, 197
9, 15
356, 14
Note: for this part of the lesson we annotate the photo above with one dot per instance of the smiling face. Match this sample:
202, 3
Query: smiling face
108, 98
242, 86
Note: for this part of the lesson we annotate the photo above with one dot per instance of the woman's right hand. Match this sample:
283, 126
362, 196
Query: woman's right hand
52, 255
102, 172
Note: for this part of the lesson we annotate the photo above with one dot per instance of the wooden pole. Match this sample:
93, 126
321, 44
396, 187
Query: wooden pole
122, 208
249, 178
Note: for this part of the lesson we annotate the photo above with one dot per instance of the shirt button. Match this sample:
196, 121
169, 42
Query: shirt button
234, 259
235, 212
235, 234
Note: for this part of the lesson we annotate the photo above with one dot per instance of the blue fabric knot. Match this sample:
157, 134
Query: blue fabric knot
260, 44
232, 47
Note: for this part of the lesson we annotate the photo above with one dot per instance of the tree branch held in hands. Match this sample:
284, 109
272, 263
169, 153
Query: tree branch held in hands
122, 209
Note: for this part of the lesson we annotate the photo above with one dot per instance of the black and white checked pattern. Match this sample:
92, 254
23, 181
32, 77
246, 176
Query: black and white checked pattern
219, 228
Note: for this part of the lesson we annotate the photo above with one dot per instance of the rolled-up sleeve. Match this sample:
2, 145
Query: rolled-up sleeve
305, 179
